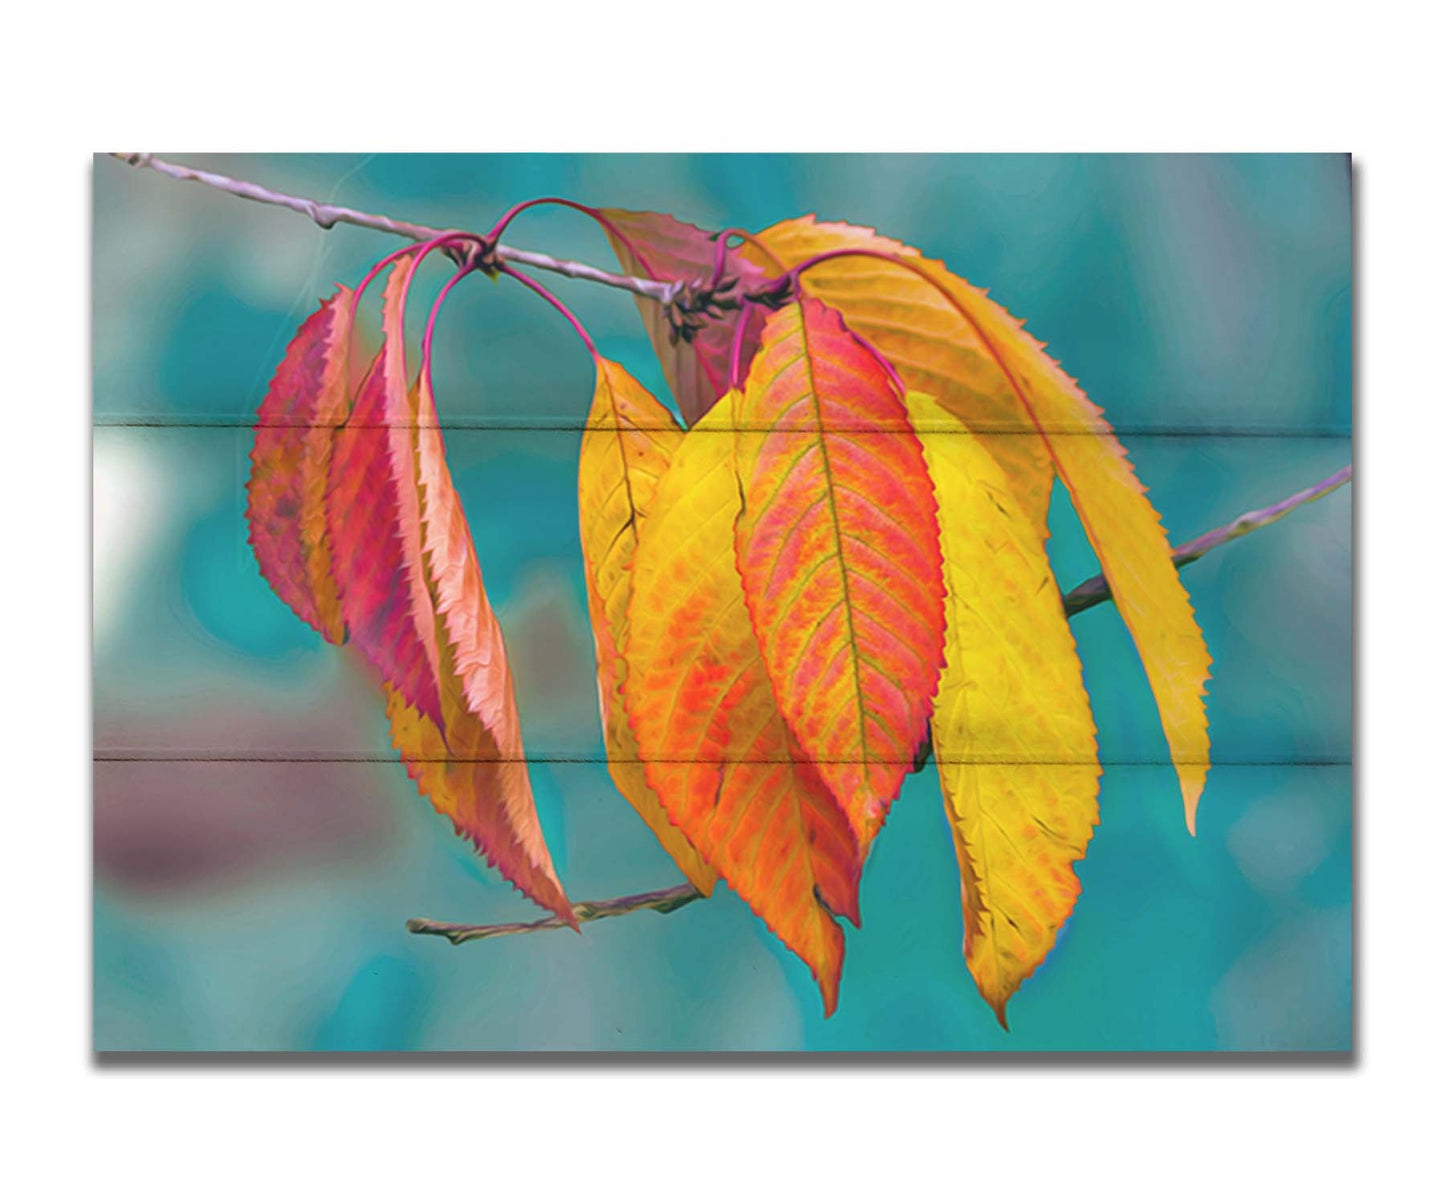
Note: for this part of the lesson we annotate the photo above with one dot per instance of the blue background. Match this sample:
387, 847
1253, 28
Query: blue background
1204, 301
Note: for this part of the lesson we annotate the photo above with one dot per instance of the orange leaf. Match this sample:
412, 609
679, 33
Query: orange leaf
838, 550
1013, 735
933, 349
715, 747
628, 444
1025, 408
290, 460
657, 247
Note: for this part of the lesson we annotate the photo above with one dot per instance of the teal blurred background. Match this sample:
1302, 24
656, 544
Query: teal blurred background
245, 904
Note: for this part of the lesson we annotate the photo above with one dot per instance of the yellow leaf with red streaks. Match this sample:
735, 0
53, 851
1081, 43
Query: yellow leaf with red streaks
1010, 392
933, 349
628, 443
715, 746
837, 545
1013, 734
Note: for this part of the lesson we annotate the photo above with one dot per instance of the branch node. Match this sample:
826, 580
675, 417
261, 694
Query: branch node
777, 293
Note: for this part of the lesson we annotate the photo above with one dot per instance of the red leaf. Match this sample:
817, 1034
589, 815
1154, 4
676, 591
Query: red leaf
290, 460
658, 247
374, 519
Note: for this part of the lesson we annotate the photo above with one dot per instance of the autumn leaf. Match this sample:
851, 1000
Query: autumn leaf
715, 746
658, 247
1013, 735
944, 336
933, 348
838, 549
411, 592
473, 766
290, 461
373, 508
629, 441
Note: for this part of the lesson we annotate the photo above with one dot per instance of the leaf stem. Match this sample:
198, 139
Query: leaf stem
735, 356
431, 321
720, 257
892, 373
547, 296
520, 207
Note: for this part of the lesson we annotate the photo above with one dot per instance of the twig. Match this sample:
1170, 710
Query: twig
662, 901
1095, 590
327, 216
1087, 595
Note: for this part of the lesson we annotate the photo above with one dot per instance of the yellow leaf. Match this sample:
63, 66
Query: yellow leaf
931, 347
1017, 399
1012, 731
628, 444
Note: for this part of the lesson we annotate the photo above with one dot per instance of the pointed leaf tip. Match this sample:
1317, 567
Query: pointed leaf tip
1013, 731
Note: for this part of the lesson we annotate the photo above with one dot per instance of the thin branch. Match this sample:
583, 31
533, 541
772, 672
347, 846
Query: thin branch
1095, 590
1087, 595
327, 216
661, 901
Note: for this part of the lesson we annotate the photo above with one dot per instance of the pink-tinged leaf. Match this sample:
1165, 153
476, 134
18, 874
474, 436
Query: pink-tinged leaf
838, 547
374, 519
290, 461
473, 766
658, 247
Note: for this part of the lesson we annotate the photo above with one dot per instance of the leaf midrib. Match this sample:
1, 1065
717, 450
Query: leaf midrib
827, 467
